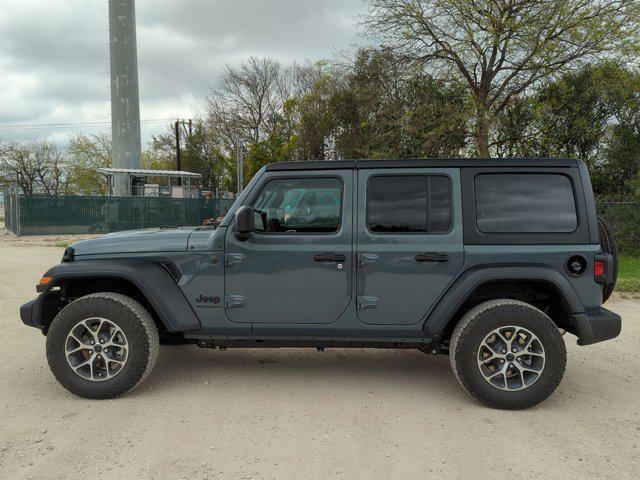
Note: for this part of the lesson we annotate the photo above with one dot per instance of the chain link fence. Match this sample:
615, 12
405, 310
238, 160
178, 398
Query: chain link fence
624, 219
66, 215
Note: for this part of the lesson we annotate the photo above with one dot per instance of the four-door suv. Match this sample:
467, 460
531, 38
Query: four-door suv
490, 261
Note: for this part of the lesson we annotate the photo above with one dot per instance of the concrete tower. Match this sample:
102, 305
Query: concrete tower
125, 102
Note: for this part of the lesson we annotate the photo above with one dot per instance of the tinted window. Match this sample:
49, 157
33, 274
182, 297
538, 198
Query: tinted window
301, 205
409, 204
525, 203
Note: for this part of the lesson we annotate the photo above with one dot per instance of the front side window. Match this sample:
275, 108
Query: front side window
299, 205
525, 203
409, 204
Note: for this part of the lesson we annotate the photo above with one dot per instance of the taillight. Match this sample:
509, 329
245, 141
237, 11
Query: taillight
598, 268
603, 268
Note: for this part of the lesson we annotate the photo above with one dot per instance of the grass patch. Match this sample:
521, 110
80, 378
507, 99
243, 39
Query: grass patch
628, 274
61, 244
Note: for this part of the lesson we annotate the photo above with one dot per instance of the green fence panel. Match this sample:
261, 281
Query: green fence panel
46, 215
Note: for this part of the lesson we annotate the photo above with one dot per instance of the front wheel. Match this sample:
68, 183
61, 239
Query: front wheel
508, 354
102, 345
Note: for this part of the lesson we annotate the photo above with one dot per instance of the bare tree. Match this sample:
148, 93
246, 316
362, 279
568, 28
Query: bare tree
17, 164
51, 171
37, 167
247, 101
501, 48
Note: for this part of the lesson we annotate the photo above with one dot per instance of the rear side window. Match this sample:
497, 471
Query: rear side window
409, 204
525, 203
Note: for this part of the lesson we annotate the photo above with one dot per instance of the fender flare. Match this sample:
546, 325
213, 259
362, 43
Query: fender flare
460, 291
153, 281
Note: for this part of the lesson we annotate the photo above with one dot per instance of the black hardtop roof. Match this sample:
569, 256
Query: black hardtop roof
424, 162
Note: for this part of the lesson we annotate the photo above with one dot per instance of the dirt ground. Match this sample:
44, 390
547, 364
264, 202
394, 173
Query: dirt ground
294, 413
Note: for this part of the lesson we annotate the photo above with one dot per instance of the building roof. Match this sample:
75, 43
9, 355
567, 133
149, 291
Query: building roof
423, 162
149, 173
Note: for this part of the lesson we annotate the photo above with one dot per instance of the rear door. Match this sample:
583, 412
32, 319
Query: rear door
409, 242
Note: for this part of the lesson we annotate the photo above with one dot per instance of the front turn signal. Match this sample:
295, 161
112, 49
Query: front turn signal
43, 284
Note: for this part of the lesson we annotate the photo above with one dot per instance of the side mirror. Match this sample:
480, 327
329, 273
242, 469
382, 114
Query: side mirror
245, 222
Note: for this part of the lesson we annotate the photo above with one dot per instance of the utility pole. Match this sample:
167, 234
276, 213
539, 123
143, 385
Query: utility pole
178, 150
187, 128
125, 101
240, 164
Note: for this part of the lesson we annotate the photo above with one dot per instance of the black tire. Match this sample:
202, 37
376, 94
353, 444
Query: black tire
608, 244
480, 322
141, 338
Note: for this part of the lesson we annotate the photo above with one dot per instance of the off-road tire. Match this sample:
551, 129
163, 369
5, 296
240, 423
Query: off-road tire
473, 328
131, 317
608, 244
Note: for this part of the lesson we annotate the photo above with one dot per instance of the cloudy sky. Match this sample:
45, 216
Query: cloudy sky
54, 55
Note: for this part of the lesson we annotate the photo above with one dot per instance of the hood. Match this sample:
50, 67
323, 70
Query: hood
137, 241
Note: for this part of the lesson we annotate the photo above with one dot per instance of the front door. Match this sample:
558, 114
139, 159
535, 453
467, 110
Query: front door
409, 242
296, 267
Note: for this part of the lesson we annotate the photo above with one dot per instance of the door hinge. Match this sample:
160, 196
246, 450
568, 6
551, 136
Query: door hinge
367, 302
232, 259
365, 259
234, 301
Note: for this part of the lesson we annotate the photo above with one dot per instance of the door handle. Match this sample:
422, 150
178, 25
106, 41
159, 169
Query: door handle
432, 257
329, 257
365, 259
234, 301
232, 259
365, 303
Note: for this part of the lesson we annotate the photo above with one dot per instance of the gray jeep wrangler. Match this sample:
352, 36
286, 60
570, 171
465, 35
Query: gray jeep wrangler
489, 261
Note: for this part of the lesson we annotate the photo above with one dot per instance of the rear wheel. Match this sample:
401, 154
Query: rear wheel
508, 354
102, 345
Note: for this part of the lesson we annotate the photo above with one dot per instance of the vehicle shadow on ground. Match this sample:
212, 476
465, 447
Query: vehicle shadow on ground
182, 367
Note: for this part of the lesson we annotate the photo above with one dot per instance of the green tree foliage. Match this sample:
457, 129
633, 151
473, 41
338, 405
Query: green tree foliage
380, 106
619, 170
87, 153
317, 120
592, 114
199, 152
572, 116
499, 49
275, 148
388, 109
375, 107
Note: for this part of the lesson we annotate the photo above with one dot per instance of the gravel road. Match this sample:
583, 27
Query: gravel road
298, 414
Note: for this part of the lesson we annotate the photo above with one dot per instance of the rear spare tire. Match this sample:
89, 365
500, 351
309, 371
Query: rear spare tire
507, 354
608, 244
102, 345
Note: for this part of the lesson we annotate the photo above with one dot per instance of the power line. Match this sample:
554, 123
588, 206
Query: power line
32, 126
